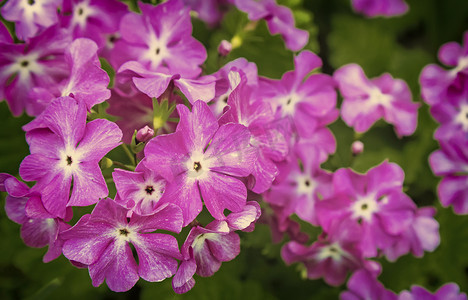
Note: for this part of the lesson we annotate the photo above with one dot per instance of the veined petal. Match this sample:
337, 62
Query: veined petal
230, 151
198, 126
88, 185
66, 117
157, 255
100, 137
221, 192
117, 266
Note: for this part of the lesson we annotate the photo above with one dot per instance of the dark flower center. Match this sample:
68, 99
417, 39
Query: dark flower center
364, 206
307, 183
31, 2
288, 102
124, 232
24, 63
80, 11
333, 249
158, 50
69, 160
196, 166
149, 189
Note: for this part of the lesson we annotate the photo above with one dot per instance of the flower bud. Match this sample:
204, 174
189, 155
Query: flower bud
224, 48
144, 134
357, 147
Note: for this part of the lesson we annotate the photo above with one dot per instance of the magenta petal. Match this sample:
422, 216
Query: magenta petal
36, 167
100, 137
166, 155
385, 178
117, 266
207, 264
224, 247
449, 53
186, 195
197, 89
221, 192
85, 244
66, 117
168, 217
55, 194
231, 151
88, 185
198, 126
242, 220
88, 82
153, 86
39, 232
453, 190
156, 256
183, 279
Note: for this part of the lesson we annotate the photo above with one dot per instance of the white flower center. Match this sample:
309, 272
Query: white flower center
157, 50
31, 7
334, 251
151, 191
305, 184
462, 65
81, 13
365, 207
197, 166
24, 66
288, 104
376, 97
462, 117
199, 241
123, 234
69, 160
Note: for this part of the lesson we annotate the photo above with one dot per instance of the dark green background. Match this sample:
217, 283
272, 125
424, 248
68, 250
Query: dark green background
401, 46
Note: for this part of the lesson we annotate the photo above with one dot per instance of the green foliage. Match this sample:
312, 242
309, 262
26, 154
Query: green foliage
401, 46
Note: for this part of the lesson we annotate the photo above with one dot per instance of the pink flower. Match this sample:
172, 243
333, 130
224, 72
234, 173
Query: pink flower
203, 159
366, 101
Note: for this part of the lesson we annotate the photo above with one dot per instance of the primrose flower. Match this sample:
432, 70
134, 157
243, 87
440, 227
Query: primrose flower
309, 103
376, 8
280, 20
139, 191
266, 132
160, 36
38, 227
451, 162
86, 82
64, 149
448, 291
366, 101
100, 241
438, 84
38, 63
93, 19
31, 16
375, 200
203, 159
363, 285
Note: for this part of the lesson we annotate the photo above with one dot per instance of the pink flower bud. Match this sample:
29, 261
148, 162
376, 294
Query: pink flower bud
357, 147
144, 134
224, 48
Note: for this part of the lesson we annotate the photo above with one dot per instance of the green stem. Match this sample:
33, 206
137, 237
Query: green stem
129, 154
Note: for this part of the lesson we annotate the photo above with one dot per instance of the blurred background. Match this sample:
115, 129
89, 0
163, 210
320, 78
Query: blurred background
401, 46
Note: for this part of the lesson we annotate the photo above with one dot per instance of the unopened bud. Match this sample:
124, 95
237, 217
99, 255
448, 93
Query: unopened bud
144, 134
357, 147
224, 48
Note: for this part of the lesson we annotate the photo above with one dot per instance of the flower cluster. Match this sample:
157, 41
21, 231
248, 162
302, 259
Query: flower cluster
446, 92
231, 147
